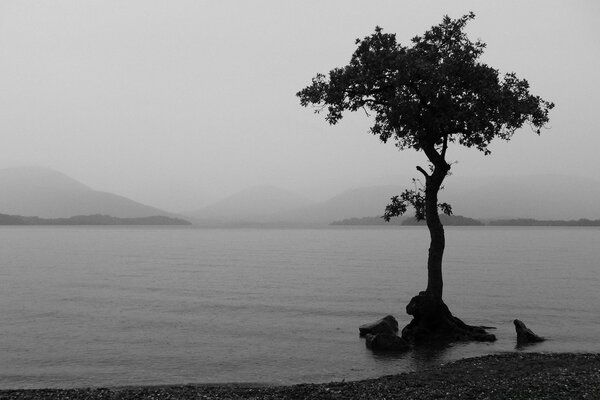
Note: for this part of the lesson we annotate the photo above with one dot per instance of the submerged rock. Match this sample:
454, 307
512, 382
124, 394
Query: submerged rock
386, 342
387, 324
526, 335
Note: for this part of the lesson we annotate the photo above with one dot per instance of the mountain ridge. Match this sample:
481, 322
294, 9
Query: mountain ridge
543, 197
261, 203
51, 194
94, 219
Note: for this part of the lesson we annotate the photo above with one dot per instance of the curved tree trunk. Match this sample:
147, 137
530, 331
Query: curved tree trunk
435, 283
432, 320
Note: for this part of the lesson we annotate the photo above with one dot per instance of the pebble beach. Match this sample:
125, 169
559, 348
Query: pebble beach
499, 376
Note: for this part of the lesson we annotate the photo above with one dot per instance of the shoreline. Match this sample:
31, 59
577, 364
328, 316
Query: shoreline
512, 375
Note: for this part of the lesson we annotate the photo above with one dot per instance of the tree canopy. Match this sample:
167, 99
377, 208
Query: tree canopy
428, 94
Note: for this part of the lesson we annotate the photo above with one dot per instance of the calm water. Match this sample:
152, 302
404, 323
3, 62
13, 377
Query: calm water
123, 306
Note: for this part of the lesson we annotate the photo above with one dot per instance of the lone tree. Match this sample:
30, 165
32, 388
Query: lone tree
426, 96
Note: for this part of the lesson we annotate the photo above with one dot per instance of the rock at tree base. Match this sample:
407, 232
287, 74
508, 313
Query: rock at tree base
386, 342
387, 324
433, 322
526, 335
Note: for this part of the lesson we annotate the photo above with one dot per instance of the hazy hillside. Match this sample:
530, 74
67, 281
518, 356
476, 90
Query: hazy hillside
535, 196
541, 197
360, 202
96, 219
50, 194
267, 204
255, 204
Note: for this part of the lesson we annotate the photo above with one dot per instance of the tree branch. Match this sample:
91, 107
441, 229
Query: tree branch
421, 170
436, 158
445, 147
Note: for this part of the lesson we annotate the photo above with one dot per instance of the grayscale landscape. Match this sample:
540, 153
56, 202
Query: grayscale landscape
329, 200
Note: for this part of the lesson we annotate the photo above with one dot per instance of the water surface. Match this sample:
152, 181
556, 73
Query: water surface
98, 306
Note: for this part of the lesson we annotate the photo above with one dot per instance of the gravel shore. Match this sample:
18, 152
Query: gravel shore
499, 376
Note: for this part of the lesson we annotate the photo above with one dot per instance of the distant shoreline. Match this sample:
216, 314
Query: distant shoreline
498, 376
459, 220
95, 219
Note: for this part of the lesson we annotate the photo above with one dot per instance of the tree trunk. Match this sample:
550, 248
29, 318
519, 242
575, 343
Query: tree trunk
432, 319
435, 283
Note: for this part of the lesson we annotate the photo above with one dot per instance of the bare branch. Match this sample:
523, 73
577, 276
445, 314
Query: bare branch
421, 170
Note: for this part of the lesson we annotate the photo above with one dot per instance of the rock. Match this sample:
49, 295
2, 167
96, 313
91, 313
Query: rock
525, 335
386, 342
387, 324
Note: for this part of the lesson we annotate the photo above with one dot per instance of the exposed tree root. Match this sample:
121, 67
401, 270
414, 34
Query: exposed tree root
433, 322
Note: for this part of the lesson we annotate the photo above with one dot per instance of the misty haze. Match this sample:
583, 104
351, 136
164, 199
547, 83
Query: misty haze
225, 200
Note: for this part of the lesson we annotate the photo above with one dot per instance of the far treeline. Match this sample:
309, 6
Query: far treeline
459, 220
95, 219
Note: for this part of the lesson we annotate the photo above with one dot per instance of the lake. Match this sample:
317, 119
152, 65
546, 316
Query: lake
112, 306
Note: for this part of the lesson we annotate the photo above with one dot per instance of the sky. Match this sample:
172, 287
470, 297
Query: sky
179, 103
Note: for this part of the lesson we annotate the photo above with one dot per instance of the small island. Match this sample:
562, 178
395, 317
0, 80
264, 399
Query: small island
94, 219
544, 222
450, 220
459, 220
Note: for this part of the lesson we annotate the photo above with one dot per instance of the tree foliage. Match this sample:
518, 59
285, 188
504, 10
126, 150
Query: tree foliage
415, 198
430, 93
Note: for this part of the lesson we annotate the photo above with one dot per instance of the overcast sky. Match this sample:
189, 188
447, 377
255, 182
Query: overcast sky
178, 103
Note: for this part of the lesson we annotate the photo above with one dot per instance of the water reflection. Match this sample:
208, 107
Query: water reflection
418, 357
433, 354
520, 346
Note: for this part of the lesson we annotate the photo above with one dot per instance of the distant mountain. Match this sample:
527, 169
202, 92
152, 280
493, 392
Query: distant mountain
260, 204
355, 203
96, 219
545, 197
271, 205
50, 194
